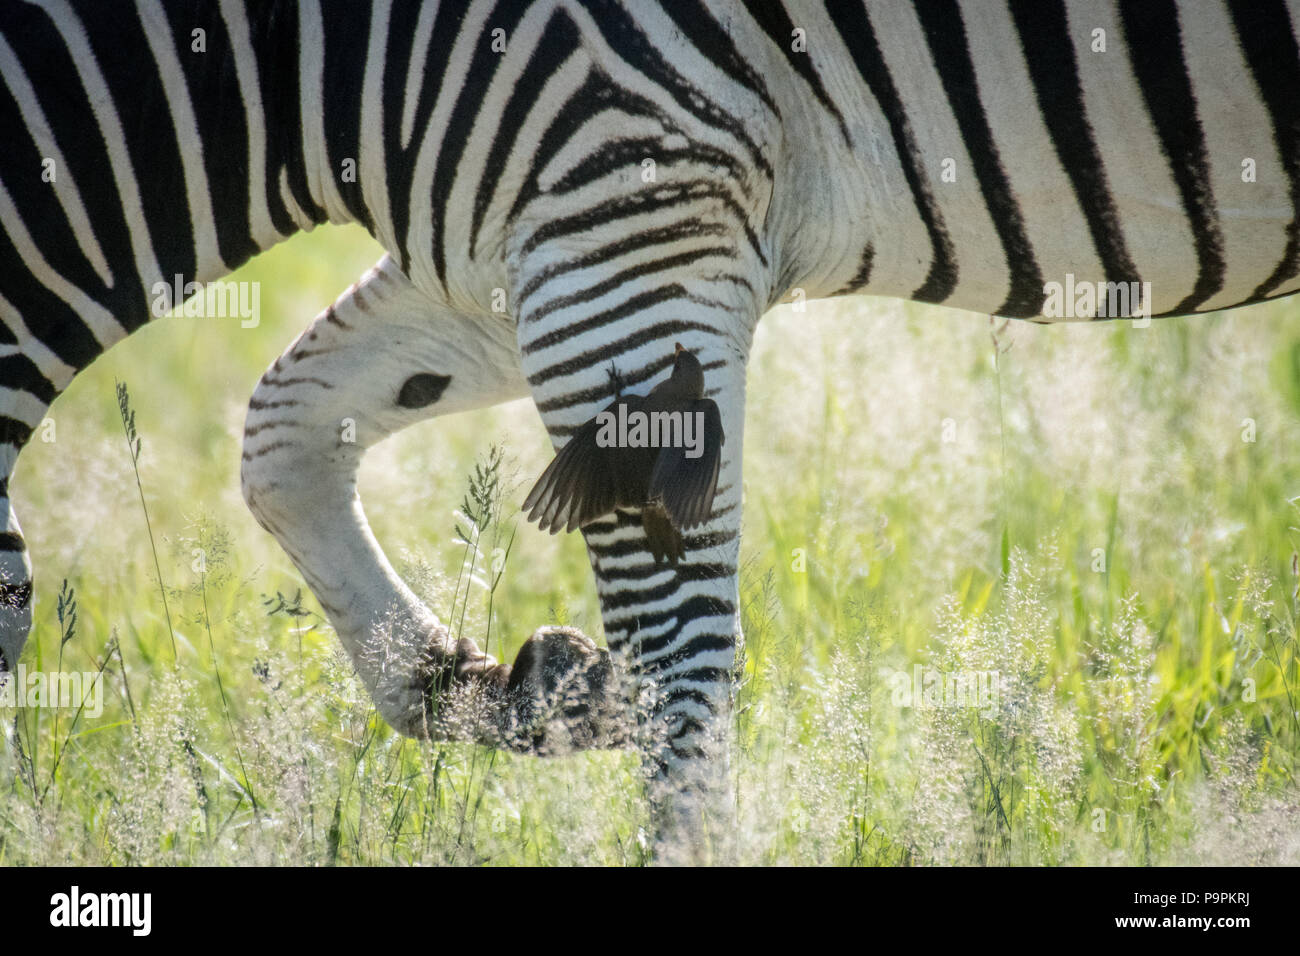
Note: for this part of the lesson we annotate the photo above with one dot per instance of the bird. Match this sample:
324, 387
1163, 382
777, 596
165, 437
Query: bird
634, 454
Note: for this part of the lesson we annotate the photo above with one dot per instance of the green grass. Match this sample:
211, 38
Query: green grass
1073, 508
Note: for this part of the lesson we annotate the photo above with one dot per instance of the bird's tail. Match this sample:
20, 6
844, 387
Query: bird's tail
665, 541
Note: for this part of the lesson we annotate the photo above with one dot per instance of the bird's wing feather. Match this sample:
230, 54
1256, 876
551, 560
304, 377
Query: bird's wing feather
582, 482
686, 486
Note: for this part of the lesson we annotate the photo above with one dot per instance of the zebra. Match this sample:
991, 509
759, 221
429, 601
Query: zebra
565, 185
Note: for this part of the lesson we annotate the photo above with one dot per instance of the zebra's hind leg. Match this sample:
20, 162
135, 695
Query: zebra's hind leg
15, 580
27, 388
383, 357
672, 629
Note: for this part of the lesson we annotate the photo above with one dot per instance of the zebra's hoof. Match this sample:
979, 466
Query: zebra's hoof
454, 692
563, 694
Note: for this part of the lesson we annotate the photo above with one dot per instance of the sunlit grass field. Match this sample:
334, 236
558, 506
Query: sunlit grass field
1095, 521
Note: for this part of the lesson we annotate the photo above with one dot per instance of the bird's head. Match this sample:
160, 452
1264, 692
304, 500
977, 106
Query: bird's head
688, 373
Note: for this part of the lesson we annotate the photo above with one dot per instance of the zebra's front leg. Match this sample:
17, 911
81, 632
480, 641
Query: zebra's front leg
383, 357
672, 629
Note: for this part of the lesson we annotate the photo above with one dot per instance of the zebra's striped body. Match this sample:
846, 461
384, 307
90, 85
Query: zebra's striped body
966, 153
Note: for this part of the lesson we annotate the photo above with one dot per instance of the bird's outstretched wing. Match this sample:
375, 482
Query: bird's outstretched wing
686, 485
583, 482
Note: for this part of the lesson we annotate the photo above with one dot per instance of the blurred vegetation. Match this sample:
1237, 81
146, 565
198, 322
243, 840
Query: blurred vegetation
1101, 517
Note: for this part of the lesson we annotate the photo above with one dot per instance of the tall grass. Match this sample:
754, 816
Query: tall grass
1100, 517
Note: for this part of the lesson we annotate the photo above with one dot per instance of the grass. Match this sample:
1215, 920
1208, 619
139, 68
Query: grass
1095, 521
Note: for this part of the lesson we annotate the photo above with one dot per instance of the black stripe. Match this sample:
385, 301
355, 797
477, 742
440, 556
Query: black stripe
347, 42
258, 405
266, 450
220, 119
772, 19
589, 395
699, 675
597, 94
117, 38
1154, 38
687, 753
13, 432
660, 235
433, 72
696, 21
1268, 42
274, 35
695, 645
633, 597
251, 430
455, 137
687, 726
638, 271
642, 202
37, 206
49, 319
12, 541
1054, 73
627, 152
946, 35
850, 18
630, 306
693, 608
626, 39
53, 75
15, 595
619, 348
710, 539
676, 695
683, 571
19, 371
557, 44
863, 275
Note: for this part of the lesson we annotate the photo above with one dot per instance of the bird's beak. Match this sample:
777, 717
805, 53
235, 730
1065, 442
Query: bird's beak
678, 348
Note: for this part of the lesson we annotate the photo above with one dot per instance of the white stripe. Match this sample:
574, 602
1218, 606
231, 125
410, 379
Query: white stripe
983, 275
59, 372
415, 74
299, 215
1156, 231
718, 658
23, 406
372, 166
1252, 217
419, 233
631, 78
488, 121
259, 215
1054, 223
